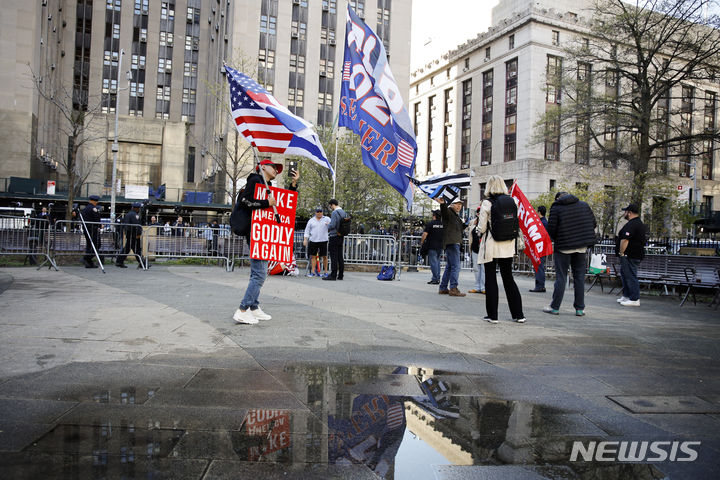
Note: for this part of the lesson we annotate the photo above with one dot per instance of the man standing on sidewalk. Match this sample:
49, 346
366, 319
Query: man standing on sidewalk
432, 241
249, 310
335, 244
91, 215
572, 228
453, 227
133, 235
316, 241
631, 250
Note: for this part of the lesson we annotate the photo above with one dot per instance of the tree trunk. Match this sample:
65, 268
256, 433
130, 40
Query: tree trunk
638, 187
71, 193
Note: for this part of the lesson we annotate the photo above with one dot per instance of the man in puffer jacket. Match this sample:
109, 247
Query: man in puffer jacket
571, 225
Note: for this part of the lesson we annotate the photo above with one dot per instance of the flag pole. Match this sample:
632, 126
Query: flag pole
335, 167
267, 187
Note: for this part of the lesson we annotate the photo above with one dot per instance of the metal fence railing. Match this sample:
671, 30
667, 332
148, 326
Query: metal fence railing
25, 236
68, 238
193, 242
35, 237
370, 249
410, 253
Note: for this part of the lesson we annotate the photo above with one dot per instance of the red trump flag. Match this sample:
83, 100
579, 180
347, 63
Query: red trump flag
537, 240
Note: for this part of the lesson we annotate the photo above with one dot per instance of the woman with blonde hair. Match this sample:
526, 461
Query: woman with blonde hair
499, 252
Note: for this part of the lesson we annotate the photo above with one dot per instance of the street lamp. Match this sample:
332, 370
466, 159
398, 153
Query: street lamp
115, 145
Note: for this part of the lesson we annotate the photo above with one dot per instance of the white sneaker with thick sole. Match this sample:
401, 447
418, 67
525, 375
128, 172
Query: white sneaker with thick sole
245, 317
622, 299
630, 303
259, 314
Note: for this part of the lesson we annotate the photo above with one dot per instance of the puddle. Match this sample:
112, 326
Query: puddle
397, 422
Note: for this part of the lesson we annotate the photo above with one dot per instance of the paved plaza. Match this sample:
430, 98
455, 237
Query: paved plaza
143, 374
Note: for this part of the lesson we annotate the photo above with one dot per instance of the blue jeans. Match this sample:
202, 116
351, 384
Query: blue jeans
434, 261
479, 273
575, 261
258, 274
540, 275
628, 274
452, 267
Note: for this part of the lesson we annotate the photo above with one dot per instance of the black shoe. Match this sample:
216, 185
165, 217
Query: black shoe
340, 278
121, 265
90, 265
538, 290
434, 282
329, 278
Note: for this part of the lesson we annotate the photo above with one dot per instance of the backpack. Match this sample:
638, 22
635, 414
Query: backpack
387, 272
344, 227
504, 223
240, 218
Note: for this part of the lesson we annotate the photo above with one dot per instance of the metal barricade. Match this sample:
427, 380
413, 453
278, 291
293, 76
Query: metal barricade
410, 253
67, 239
191, 242
370, 249
25, 236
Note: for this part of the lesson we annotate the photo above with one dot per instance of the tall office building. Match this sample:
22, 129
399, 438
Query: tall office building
475, 108
168, 86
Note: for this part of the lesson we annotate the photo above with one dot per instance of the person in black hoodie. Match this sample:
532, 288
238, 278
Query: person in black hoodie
249, 310
571, 226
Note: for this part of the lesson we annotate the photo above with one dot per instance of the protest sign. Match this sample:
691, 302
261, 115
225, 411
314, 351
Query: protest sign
270, 239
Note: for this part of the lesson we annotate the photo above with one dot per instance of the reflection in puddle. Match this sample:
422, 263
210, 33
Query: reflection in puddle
399, 422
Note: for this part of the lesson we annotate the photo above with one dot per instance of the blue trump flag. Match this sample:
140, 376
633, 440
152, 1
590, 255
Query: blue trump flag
371, 106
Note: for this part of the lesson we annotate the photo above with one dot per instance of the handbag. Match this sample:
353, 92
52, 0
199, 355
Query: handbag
598, 264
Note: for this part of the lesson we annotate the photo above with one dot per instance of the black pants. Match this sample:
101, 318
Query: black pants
131, 243
337, 263
94, 236
511, 289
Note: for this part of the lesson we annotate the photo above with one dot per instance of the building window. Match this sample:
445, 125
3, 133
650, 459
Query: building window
447, 127
466, 123
510, 124
511, 42
555, 37
430, 137
707, 157
487, 124
416, 109
296, 97
510, 131
487, 53
358, 6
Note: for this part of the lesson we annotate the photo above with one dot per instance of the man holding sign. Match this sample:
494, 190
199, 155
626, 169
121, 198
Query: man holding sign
269, 234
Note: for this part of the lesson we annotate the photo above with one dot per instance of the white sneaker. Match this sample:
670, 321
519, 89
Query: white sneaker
259, 314
630, 303
245, 317
622, 299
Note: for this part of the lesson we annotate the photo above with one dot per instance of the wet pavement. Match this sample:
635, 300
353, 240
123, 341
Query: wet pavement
138, 374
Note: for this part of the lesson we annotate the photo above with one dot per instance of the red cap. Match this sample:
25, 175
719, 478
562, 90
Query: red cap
267, 161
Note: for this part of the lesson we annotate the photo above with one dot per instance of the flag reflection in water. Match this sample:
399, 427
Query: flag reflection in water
372, 435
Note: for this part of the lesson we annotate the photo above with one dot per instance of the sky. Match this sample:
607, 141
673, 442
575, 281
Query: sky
436, 30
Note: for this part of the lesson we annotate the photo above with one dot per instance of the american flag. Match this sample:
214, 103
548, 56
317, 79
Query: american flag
445, 185
268, 125
405, 153
395, 416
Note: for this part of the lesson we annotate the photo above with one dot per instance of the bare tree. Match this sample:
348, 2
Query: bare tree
232, 155
617, 83
74, 130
